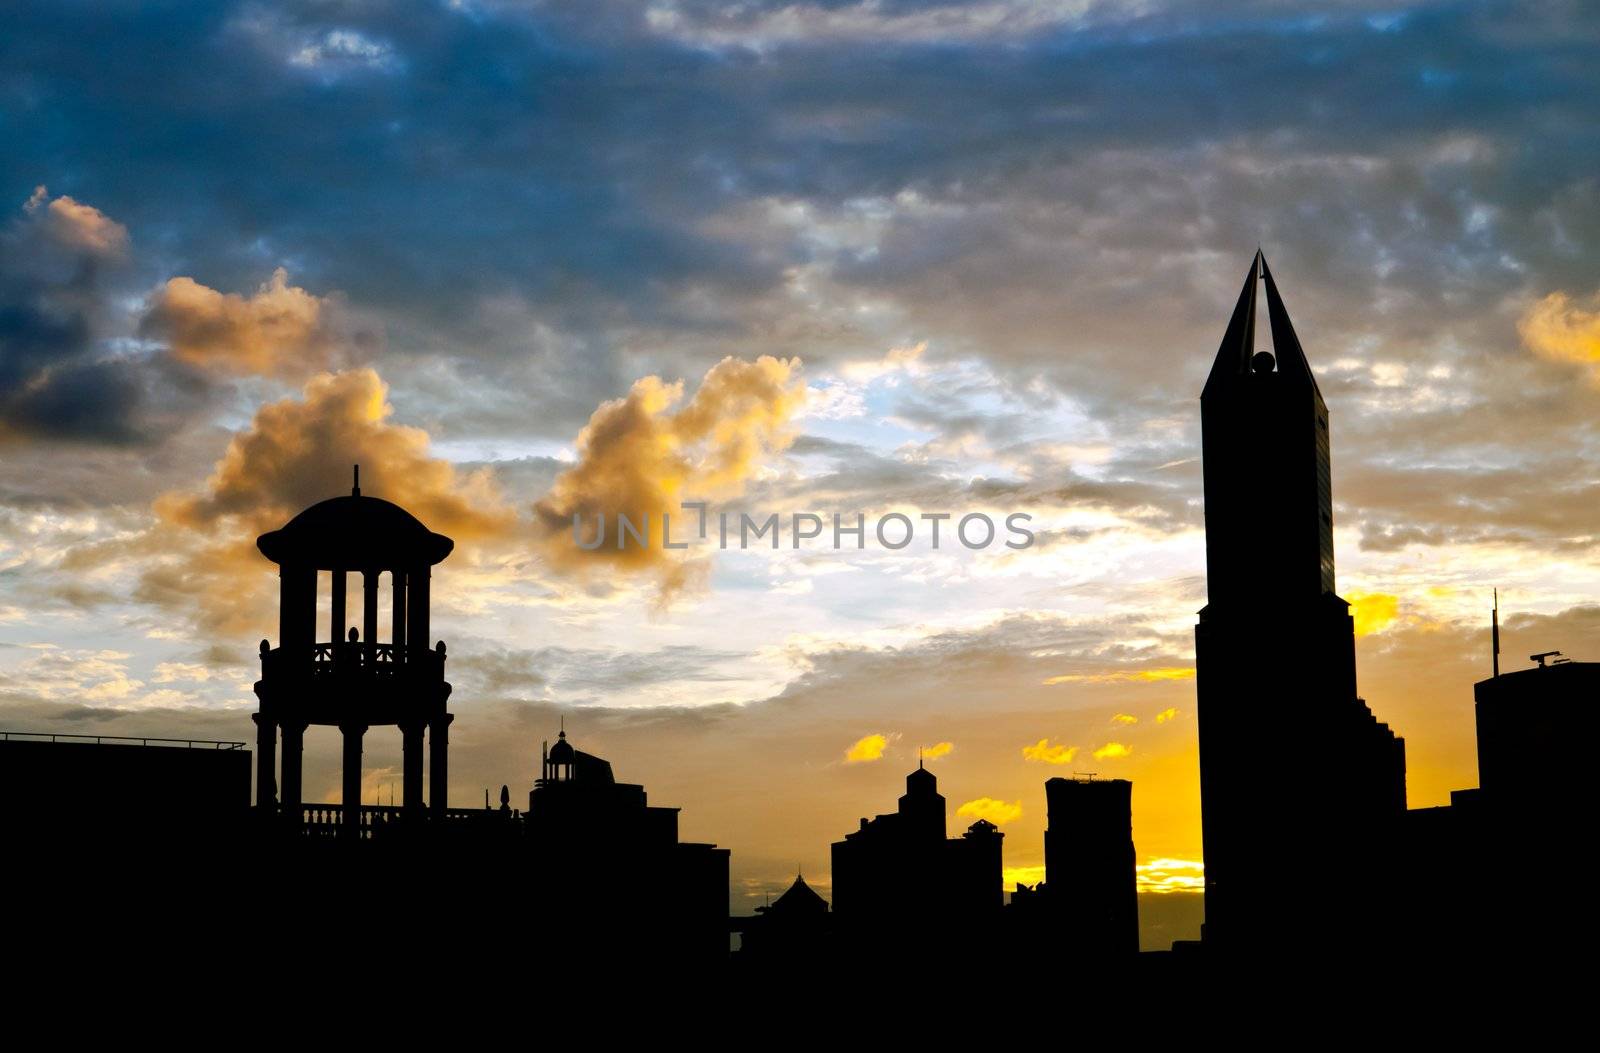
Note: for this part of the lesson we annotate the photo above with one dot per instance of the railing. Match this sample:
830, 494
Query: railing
327, 820
47, 736
360, 659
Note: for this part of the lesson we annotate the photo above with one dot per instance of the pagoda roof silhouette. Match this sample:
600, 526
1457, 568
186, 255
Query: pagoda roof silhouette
800, 897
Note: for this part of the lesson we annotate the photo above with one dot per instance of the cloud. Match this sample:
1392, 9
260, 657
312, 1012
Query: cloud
282, 330
1112, 751
1011, 877
641, 457
997, 812
59, 377
295, 453
86, 677
1125, 675
1045, 753
1124, 718
866, 748
1171, 875
77, 225
1372, 612
1557, 328
299, 451
1170, 713
937, 750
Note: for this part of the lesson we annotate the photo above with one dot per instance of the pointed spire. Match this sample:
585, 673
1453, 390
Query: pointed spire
1286, 345
1236, 354
1239, 341
355, 482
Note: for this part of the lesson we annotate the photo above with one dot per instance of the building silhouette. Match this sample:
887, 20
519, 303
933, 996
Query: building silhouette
898, 873
611, 868
795, 928
1479, 873
1294, 767
1090, 878
354, 680
131, 793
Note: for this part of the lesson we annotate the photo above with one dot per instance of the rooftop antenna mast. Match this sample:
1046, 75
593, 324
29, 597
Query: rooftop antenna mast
1496, 639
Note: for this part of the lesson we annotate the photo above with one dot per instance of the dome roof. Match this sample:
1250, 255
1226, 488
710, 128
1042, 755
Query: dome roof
562, 752
355, 533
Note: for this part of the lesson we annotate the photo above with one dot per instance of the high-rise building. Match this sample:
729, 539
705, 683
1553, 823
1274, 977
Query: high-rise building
1091, 886
1298, 779
898, 873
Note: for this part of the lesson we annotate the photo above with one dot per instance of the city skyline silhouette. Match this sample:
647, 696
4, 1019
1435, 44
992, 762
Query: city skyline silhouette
1275, 647
356, 357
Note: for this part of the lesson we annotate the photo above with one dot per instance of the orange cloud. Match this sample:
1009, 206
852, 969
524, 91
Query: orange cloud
1014, 876
937, 750
1125, 676
1171, 875
1045, 753
866, 748
1112, 751
1124, 718
295, 453
1373, 611
1560, 330
281, 330
639, 457
77, 225
997, 812
1170, 713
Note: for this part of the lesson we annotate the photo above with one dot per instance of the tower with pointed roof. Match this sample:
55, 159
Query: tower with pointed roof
1292, 762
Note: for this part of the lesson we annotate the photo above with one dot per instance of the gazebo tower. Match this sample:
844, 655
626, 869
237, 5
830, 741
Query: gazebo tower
352, 680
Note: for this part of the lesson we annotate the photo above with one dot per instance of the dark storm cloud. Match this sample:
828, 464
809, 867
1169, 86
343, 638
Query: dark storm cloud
571, 160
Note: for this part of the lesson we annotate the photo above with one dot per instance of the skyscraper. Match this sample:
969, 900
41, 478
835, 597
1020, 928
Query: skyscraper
1300, 784
1091, 885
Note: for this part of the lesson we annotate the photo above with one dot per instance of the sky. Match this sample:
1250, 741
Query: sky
525, 261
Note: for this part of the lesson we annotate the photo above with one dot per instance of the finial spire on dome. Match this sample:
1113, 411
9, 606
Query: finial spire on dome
355, 487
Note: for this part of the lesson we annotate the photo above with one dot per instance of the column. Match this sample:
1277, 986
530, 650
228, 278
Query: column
439, 765
336, 619
297, 617
294, 734
397, 628
411, 772
266, 764
369, 612
417, 609
352, 778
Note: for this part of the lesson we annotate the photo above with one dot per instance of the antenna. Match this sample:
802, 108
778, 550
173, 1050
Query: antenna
1496, 638
355, 482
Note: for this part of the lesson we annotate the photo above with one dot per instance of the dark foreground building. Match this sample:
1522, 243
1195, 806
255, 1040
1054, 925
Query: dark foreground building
898, 874
164, 836
1294, 767
1090, 876
1482, 873
609, 865
794, 929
